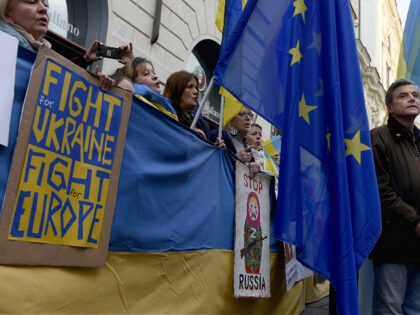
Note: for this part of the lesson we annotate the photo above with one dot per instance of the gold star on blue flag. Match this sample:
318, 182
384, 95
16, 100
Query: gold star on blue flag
295, 52
300, 8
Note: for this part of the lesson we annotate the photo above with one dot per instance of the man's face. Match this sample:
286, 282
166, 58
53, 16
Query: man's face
405, 102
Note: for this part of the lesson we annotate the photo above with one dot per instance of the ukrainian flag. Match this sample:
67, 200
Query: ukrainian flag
171, 244
228, 13
155, 100
269, 165
271, 147
409, 62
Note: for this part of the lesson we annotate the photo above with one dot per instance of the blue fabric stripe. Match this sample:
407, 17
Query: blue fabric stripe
176, 191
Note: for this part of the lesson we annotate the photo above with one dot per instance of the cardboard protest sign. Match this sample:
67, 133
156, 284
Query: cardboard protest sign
63, 181
295, 271
252, 234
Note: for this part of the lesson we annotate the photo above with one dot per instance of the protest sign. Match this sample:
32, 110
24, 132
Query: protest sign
64, 175
7, 82
295, 271
252, 234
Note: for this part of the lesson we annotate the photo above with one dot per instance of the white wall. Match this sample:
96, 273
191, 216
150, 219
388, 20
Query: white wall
183, 24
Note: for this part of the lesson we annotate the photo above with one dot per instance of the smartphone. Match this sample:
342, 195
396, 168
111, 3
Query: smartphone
108, 52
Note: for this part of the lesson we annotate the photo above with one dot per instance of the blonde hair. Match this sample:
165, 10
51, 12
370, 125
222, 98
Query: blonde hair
130, 69
4, 7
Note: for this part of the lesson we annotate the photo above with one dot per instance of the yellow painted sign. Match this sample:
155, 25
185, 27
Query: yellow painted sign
66, 172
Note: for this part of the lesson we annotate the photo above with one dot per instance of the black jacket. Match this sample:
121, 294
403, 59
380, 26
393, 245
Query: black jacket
187, 118
397, 164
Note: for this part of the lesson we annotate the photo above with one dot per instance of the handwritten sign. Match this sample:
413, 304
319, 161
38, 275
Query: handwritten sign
65, 178
66, 164
252, 234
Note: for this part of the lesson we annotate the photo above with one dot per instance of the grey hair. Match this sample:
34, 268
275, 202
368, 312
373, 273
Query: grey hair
394, 86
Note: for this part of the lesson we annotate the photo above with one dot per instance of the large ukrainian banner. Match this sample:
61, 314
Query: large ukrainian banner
63, 180
171, 245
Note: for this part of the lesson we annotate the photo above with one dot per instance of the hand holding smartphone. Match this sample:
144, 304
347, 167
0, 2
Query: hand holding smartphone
108, 52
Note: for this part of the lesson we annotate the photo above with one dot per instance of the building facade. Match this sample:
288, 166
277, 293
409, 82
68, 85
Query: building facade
379, 36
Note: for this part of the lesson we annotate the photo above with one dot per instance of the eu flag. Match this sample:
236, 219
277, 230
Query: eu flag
295, 63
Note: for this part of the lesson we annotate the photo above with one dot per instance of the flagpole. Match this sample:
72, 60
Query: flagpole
222, 109
200, 108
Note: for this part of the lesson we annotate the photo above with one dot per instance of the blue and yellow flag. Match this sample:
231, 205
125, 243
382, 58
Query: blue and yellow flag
144, 93
295, 63
272, 146
172, 236
228, 14
269, 165
409, 62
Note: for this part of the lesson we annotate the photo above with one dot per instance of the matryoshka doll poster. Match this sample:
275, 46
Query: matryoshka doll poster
252, 234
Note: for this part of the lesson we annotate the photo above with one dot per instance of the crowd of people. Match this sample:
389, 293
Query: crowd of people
396, 148
28, 22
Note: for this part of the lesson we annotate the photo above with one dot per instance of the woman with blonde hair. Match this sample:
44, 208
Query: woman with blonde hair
146, 84
141, 71
28, 22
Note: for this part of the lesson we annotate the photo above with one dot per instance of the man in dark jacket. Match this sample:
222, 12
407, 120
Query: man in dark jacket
396, 256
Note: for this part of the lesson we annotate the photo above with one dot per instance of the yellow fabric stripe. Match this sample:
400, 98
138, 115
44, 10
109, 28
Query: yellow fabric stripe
232, 106
402, 65
158, 107
220, 15
194, 282
270, 167
269, 147
315, 292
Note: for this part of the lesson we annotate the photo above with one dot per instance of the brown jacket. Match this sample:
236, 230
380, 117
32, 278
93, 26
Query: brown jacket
397, 164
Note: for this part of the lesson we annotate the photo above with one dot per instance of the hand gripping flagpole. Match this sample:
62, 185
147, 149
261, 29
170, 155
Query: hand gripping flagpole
200, 108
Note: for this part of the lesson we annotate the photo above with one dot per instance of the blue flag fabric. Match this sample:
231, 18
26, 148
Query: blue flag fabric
233, 12
409, 65
295, 63
155, 99
171, 214
176, 192
175, 189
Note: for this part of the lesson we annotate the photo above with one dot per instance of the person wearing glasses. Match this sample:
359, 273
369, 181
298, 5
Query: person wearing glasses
234, 137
